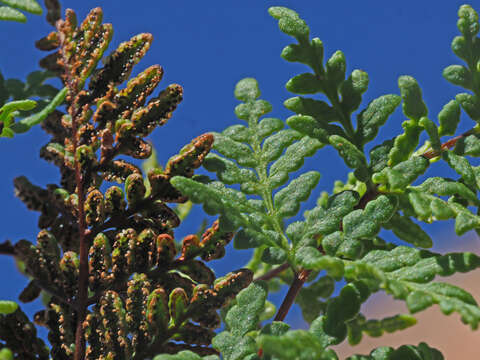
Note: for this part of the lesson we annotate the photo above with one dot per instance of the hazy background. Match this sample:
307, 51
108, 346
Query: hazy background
207, 47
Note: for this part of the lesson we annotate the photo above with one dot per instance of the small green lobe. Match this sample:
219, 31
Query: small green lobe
8, 307
247, 90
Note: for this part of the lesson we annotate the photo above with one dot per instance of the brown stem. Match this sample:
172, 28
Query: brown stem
83, 270
82, 297
447, 145
292, 293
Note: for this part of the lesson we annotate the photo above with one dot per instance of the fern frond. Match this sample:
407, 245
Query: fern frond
260, 157
11, 10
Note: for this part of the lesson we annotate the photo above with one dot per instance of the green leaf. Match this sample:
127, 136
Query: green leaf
366, 223
376, 328
9, 14
30, 6
314, 128
318, 109
259, 220
275, 144
17, 105
432, 132
406, 273
337, 244
343, 308
290, 23
408, 231
247, 239
353, 157
447, 187
461, 48
268, 126
238, 133
458, 75
379, 156
274, 255
185, 355
306, 83
8, 307
462, 167
295, 344
352, 89
241, 319
228, 172
234, 150
323, 221
275, 328
287, 201
425, 206
468, 21
296, 53
464, 220
292, 160
216, 199
335, 68
6, 354
398, 177
247, 90
252, 110
469, 145
310, 298
405, 144
413, 105
404, 352
470, 104
26, 123
375, 115
311, 259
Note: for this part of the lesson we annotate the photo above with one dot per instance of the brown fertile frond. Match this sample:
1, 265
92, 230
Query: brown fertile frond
119, 241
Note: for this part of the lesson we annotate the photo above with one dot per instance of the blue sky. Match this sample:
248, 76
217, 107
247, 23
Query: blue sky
207, 47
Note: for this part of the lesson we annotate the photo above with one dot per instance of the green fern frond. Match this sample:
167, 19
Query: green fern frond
10, 11
259, 157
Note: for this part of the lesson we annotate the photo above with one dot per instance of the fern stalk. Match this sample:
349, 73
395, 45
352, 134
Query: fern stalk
82, 300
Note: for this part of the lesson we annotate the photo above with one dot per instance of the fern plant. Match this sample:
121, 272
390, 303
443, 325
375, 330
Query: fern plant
338, 239
117, 285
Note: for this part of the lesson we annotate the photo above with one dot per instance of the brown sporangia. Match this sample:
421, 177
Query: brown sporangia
19, 334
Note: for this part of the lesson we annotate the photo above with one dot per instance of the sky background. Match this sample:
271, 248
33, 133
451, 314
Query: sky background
207, 47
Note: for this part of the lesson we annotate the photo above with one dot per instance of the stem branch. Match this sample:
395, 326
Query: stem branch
292, 293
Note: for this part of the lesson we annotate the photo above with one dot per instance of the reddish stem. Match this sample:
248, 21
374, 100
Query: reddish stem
447, 145
83, 270
292, 293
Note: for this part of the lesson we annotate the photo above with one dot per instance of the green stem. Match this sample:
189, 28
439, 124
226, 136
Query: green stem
473, 68
266, 192
332, 96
